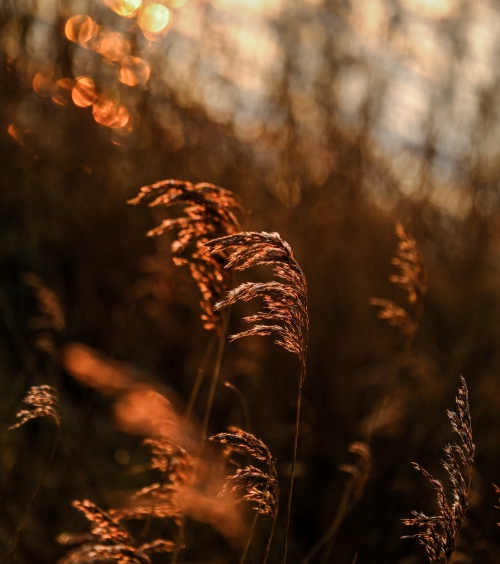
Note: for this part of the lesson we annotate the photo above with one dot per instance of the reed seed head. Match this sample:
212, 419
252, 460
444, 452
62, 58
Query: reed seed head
285, 304
42, 401
209, 212
441, 532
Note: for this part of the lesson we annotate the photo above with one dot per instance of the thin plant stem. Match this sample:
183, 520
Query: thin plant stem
268, 547
342, 510
211, 394
215, 374
24, 521
202, 370
294, 458
244, 404
257, 513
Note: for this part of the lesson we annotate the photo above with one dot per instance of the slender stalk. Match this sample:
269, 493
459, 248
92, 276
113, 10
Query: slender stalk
294, 458
215, 375
257, 513
244, 404
202, 370
24, 521
342, 510
268, 547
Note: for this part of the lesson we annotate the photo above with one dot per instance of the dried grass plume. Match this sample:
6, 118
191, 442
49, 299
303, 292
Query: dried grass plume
209, 212
441, 532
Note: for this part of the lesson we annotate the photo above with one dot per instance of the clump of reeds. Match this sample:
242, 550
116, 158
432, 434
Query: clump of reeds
209, 212
285, 305
440, 534
412, 279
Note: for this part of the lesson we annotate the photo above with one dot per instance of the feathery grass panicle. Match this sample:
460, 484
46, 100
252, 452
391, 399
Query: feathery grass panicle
260, 487
161, 499
241, 441
440, 534
412, 279
42, 401
283, 303
109, 541
102, 525
209, 212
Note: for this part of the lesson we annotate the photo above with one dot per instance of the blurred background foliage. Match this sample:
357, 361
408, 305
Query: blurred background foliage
332, 120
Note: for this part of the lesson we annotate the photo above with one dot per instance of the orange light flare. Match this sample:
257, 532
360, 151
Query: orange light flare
108, 113
61, 93
125, 8
114, 47
15, 134
83, 93
94, 369
81, 29
155, 21
144, 411
43, 82
134, 71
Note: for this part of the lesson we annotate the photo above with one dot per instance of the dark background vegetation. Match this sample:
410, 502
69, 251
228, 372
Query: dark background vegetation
333, 186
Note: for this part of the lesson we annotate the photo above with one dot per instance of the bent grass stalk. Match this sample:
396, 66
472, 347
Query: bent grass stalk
283, 303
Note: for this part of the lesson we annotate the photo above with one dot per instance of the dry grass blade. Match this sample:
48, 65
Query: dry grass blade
285, 304
42, 401
439, 537
209, 212
411, 278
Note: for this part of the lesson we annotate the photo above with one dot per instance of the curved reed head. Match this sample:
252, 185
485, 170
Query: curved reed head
284, 303
209, 212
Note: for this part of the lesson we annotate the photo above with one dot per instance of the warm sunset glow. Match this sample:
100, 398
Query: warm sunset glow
83, 93
80, 29
114, 47
134, 71
266, 8
431, 8
154, 18
62, 91
125, 8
